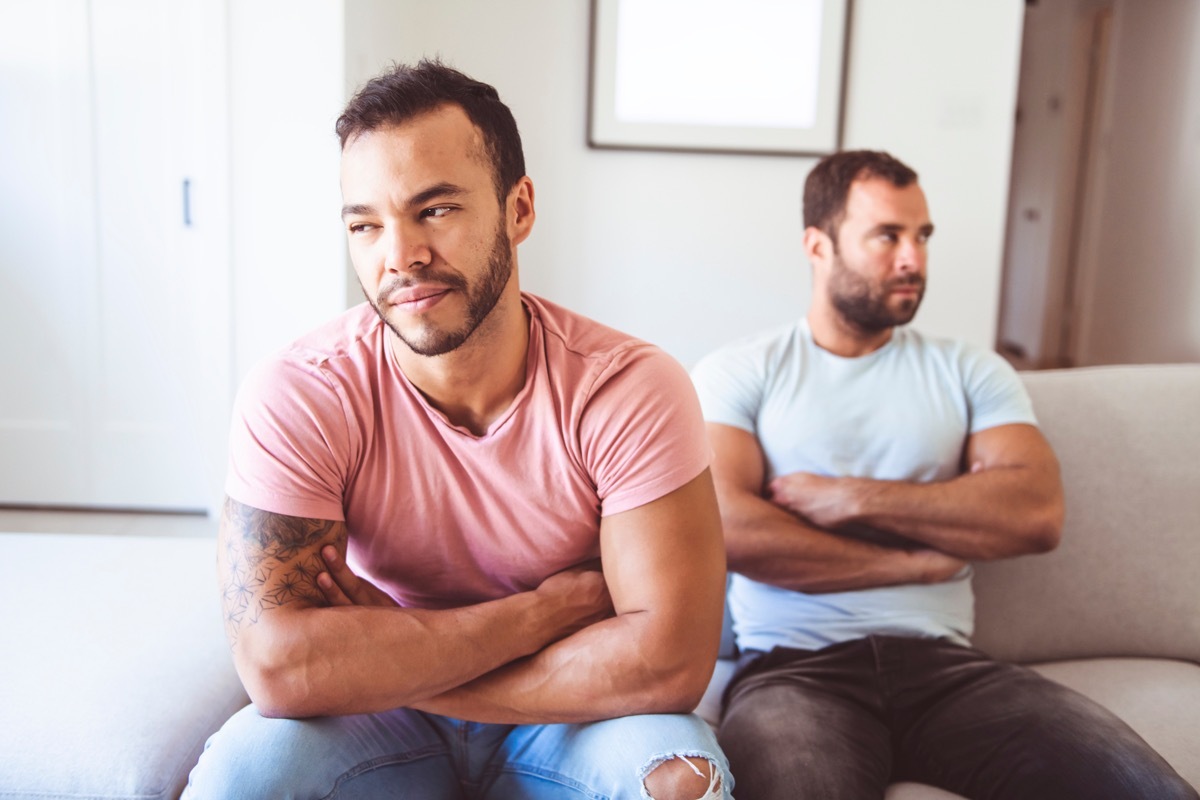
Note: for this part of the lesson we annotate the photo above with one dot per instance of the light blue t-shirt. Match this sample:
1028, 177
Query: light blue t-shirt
902, 412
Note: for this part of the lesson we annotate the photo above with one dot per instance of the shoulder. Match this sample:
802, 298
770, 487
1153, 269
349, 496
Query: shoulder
990, 385
585, 352
634, 421
761, 354
352, 335
317, 365
962, 358
575, 333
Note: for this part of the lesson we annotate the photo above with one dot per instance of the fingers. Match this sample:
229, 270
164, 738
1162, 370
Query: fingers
344, 587
333, 593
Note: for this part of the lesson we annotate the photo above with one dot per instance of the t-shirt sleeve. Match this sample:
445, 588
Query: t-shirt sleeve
288, 442
642, 435
729, 385
995, 392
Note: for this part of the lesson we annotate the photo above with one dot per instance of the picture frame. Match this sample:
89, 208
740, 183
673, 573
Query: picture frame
757, 76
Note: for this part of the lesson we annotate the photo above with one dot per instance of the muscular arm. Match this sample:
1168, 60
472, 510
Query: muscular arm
767, 543
665, 570
298, 656
1009, 502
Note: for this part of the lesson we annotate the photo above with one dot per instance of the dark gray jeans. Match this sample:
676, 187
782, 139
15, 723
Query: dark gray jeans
845, 721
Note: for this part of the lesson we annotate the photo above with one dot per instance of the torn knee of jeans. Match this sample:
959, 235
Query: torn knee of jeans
714, 791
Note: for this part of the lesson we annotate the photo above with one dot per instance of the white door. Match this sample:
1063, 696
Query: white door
113, 253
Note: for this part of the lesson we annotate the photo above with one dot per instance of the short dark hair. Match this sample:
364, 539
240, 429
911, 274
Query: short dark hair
404, 92
828, 185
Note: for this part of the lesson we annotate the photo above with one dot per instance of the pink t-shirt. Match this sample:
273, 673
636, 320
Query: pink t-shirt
332, 429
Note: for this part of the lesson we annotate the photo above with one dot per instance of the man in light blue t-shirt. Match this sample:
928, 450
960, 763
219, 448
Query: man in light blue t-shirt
860, 468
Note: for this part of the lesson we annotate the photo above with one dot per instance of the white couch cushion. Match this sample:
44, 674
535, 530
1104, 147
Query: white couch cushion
1159, 698
115, 666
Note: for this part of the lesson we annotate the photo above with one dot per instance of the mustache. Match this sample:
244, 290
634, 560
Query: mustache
908, 280
449, 279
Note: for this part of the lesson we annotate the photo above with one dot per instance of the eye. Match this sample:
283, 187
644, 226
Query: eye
437, 211
360, 227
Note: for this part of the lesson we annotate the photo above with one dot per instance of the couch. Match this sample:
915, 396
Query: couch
115, 668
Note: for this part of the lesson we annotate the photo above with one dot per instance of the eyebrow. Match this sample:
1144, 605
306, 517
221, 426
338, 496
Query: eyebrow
357, 209
434, 192
438, 190
894, 227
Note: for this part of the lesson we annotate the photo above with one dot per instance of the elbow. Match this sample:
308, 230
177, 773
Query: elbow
689, 694
278, 681
1046, 536
1044, 529
275, 696
681, 691
682, 677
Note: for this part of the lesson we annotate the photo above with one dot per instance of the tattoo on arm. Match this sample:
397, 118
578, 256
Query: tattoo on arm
270, 560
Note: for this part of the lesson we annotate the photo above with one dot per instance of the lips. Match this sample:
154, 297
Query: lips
417, 294
907, 287
415, 297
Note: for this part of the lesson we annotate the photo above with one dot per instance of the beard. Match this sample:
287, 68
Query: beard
865, 305
481, 299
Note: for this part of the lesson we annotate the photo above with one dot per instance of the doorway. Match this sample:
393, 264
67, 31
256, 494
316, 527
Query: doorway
1053, 198
114, 240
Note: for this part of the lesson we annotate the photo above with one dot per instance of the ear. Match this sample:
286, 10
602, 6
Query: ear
519, 211
817, 246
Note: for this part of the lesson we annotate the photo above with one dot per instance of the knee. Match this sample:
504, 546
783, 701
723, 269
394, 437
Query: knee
684, 778
232, 763
226, 771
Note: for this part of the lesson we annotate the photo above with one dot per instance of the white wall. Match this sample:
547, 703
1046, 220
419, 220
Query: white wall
935, 83
690, 251
1144, 305
286, 90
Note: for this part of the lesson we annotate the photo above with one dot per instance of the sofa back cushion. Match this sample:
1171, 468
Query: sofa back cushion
1126, 579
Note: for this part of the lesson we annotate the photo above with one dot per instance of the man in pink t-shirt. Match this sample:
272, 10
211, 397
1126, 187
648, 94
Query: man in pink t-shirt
471, 546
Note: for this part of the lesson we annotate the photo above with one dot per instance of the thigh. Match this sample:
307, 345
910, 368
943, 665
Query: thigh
794, 732
998, 730
397, 754
601, 760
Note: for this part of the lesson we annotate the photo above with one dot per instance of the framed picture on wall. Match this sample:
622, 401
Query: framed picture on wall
755, 76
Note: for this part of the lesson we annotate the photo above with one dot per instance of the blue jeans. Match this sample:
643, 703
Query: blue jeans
410, 754
845, 721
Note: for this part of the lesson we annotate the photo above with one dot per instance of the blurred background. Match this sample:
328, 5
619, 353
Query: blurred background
169, 201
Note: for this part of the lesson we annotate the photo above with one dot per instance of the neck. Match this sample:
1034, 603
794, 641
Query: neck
833, 332
476, 383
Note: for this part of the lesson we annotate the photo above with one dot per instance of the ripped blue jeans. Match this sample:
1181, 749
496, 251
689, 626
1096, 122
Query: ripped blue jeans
410, 754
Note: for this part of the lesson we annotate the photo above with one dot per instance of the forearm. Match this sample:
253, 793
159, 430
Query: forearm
618, 667
301, 662
768, 544
982, 515
665, 568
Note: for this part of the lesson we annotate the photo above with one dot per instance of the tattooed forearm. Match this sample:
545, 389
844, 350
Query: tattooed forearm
269, 560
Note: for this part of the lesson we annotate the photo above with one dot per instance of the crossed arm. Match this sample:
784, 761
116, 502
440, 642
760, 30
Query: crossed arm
641, 637
1008, 502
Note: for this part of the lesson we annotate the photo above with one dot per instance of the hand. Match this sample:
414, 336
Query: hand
824, 501
581, 596
342, 587
934, 566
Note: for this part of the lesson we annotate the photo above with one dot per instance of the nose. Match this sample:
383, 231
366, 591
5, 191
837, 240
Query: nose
407, 248
910, 256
